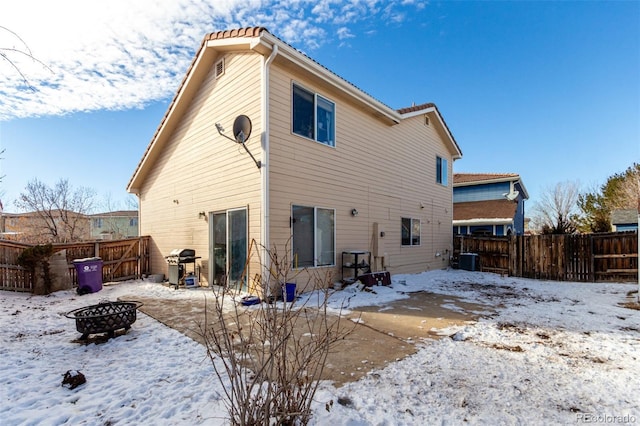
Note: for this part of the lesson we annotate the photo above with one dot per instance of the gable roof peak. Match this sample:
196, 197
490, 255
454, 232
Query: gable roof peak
261, 41
236, 32
415, 108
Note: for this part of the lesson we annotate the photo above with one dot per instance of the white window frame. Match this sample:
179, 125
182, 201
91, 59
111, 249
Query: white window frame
332, 139
315, 238
442, 171
413, 222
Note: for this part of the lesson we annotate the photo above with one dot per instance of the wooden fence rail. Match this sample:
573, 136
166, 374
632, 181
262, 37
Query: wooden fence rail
122, 260
584, 258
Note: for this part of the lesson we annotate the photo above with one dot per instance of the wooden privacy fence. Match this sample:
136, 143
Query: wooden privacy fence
122, 260
585, 258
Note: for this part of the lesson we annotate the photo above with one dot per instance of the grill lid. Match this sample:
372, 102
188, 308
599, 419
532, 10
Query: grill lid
182, 253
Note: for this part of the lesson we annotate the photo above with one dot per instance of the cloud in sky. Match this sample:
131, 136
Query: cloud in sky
75, 55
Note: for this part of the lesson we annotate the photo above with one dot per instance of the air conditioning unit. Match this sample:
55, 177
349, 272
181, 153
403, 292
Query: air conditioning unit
469, 261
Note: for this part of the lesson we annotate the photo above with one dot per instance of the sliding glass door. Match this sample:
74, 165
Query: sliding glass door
228, 248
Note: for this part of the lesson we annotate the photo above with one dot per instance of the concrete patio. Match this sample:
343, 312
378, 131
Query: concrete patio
377, 335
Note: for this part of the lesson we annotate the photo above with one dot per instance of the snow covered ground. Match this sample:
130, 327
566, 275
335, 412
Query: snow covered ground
550, 353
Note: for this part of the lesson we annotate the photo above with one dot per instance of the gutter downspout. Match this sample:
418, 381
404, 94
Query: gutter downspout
266, 166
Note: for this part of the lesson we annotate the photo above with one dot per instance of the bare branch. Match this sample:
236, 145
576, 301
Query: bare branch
58, 214
26, 52
270, 357
556, 210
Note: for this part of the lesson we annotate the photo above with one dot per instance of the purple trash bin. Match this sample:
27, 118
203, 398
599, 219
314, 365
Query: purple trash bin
89, 272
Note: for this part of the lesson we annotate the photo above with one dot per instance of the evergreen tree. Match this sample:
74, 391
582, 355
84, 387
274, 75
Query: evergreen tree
621, 191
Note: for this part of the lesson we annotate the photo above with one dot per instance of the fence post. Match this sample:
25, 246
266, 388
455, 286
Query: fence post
592, 267
513, 257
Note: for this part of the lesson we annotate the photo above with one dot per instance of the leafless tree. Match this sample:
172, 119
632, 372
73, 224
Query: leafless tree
1, 158
626, 192
7, 54
57, 214
113, 223
270, 356
557, 209
131, 202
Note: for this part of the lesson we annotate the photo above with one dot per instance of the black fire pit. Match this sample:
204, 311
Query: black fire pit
105, 317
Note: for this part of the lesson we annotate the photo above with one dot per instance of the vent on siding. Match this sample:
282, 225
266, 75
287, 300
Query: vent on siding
426, 120
219, 68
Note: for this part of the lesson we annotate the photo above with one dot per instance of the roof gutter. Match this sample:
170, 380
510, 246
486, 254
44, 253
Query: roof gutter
325, 74
480, 221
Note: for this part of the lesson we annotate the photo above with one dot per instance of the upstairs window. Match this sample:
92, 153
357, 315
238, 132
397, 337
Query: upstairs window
313, 116
441, 171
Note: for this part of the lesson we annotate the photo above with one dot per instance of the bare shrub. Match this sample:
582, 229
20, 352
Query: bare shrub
272, 353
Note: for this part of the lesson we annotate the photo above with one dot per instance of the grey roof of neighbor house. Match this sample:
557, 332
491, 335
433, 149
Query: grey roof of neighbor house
624, 216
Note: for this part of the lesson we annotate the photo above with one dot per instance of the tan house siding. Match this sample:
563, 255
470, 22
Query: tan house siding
383, 163
385, 172
200, 170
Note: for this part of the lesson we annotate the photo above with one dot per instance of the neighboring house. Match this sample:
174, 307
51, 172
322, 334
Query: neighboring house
624, 220
331, 169
488, 204
4, 233
114, 225
55, 226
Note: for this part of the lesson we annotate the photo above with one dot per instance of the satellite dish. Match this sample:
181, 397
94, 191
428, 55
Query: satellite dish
241, 132
242, 128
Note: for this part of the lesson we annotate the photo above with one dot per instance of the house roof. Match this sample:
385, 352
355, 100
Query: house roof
54, 212
426, 108
118, 213
466, 178
624, 216
484, 210
469, 179
260, 40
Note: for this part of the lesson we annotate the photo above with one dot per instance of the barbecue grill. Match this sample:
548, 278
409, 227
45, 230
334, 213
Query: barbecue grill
177, 261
